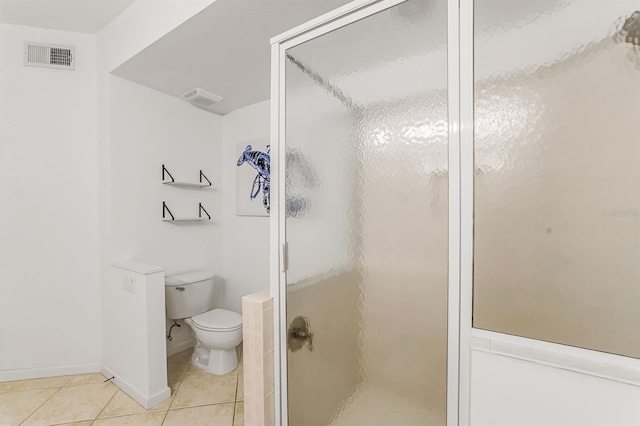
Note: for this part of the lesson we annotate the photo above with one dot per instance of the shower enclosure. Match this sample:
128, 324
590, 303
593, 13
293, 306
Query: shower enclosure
410, 177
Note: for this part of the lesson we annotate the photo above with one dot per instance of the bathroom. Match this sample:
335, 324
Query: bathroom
99, 196
81, 161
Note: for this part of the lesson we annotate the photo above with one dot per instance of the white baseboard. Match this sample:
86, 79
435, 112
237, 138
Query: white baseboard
179, 347
147, 401
38, 373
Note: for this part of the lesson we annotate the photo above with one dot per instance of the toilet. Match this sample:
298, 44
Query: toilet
189, 296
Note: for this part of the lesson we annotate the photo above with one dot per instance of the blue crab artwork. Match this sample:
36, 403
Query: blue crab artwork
261, 161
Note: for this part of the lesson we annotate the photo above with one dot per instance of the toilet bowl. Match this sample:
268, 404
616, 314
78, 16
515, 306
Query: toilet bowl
189, 296
217, 333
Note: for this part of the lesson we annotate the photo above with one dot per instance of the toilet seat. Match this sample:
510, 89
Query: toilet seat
218, 320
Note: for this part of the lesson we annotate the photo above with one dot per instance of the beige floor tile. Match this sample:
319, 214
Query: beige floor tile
73, 404
173, 381
238, 420
47, 382
146, 419
187, 352
179, 362
240, 393
239, 351
16, 406
77, 424
193, 369
209, 415
82, 379
203, 389
123, 405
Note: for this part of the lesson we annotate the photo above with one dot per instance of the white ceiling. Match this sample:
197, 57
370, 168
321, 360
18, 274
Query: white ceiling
82, 16
223, 50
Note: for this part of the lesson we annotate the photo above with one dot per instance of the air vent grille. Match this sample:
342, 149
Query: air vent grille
190, 94
201, 98
49, 56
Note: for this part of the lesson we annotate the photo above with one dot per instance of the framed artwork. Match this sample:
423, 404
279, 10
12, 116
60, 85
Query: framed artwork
253, 178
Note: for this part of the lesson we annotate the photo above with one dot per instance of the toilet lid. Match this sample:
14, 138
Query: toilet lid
218, 319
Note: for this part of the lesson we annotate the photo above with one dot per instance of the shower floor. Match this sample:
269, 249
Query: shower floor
376, 406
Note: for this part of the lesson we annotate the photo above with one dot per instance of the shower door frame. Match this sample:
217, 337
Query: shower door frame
460, 184
462, 338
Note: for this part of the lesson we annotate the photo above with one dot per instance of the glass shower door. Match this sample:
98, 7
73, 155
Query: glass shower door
557, 237
366, 189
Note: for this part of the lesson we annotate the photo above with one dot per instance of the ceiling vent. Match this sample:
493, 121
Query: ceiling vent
201, 98
49, 56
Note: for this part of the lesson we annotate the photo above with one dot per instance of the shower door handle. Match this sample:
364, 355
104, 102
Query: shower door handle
299, 334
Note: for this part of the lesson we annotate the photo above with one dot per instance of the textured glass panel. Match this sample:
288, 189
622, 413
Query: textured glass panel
557, 182
366, 190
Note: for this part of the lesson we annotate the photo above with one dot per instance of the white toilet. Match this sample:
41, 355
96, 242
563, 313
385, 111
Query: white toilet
189, 296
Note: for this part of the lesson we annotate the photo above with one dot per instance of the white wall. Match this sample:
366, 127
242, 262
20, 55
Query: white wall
512, 392
246, 238
134, 29
141, 24
148, 129
49, 252
80, 165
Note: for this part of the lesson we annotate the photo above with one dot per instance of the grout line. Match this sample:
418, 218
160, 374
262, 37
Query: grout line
233, 418
173, 397
202, 405
105, 405
235, 402
119, 416
40, 406
147, 411
69, 384
237, 385
36, 387
166, 413
71, 376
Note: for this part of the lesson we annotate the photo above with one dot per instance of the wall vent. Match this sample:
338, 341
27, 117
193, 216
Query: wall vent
201, 98
49, 56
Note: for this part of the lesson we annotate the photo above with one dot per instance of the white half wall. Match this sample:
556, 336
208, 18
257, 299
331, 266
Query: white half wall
246, 238
507, 391
148, 129
49, 235
134, 349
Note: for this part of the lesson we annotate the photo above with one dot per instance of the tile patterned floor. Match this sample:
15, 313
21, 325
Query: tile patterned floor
197, 398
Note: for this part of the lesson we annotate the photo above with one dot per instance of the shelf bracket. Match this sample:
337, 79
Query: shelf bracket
202, 209
166, 209
205, 178
164, 170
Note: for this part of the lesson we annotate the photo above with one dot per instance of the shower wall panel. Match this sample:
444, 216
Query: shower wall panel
557, 182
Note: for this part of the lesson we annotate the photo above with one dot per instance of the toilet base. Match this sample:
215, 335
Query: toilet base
215, 361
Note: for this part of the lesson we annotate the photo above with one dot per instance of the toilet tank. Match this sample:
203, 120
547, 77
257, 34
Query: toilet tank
188, 294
